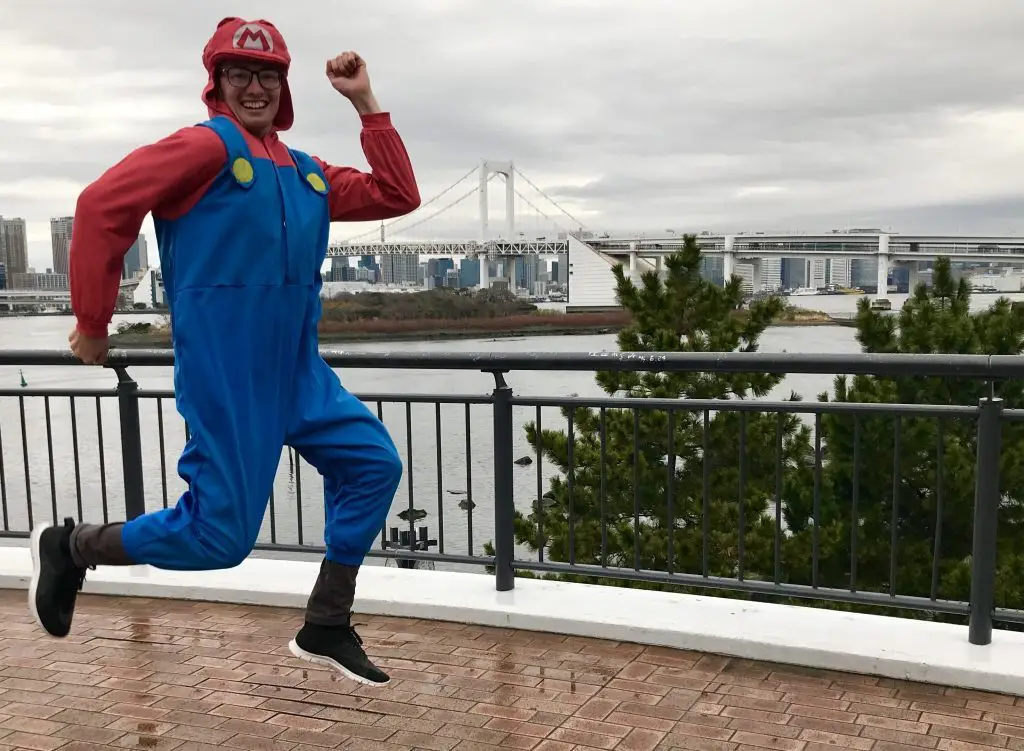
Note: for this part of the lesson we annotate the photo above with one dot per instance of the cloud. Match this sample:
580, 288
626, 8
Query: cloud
705, 114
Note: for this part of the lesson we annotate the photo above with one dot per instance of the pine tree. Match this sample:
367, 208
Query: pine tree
939, 321
651, 494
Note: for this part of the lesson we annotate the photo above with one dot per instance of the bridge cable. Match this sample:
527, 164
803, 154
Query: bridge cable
533, 206
388, 226
440, 211
555, 203
451, 205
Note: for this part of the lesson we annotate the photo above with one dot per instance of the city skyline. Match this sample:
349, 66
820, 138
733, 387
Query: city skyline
19, 273
785, 116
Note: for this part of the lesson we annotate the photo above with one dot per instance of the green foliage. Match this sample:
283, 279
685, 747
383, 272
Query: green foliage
442, 303
660, 478
933, 321
656, 462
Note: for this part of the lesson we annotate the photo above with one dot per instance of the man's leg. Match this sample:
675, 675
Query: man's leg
352, 450
213, 526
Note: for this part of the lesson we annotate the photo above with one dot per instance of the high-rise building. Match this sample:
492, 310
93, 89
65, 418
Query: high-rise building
35, 280
793, 273
561, 275
136, 259
469, 272
745, 271
527, 270
60, 240
712, 268
864, 272
816, 273
437, 269
3, 275
400, 268
336, 272
771, 274
14, 246
839, 272
369, 262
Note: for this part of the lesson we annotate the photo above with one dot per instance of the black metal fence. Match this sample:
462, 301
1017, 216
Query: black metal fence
653, 513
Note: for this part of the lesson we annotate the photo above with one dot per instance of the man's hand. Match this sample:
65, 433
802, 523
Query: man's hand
347, 74
89, 350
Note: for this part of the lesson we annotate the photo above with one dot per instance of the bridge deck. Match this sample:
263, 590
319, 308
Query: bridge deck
185, 675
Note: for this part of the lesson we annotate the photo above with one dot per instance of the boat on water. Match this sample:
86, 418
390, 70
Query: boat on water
831, 289
881, 303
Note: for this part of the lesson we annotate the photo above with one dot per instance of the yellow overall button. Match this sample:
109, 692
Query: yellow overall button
317, 182
242, 170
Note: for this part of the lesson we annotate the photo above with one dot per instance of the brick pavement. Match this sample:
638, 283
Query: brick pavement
150, 674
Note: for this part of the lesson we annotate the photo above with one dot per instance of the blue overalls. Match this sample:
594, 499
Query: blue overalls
241, 271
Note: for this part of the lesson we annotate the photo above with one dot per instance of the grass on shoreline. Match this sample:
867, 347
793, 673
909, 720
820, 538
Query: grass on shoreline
540, 323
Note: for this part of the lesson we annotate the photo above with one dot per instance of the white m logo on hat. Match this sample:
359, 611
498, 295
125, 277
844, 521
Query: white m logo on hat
252, 36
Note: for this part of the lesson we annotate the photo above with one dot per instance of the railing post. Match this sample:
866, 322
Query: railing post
504, 505
986, 510
131, 444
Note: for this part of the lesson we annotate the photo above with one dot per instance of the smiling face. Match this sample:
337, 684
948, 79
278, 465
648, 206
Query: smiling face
253, 92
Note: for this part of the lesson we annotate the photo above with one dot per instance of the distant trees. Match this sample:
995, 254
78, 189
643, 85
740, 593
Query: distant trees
442, 303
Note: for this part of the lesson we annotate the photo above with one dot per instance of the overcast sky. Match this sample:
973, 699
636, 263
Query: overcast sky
728, 115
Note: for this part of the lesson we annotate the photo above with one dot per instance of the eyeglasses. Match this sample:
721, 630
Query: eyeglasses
242, 77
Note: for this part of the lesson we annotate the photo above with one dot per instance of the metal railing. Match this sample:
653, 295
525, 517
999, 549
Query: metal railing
595, 545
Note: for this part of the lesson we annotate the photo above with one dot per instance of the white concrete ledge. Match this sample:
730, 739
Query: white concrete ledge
869, 644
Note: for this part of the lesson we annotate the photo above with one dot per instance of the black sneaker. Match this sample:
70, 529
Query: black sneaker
338, 648
56, 580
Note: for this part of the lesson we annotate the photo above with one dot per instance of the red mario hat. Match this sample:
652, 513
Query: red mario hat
249, 40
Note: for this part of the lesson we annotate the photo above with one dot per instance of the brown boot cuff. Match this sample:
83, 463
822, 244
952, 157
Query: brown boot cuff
98, 545
330, 603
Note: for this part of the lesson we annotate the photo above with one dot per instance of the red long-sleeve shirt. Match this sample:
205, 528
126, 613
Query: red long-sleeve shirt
169, 177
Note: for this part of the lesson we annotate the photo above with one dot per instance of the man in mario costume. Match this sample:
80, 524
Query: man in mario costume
242, 227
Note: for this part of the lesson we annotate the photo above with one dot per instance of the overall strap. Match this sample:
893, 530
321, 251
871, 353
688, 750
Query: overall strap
310, 171
239, 155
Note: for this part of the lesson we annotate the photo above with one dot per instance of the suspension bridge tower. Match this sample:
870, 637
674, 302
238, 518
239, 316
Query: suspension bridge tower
488, 170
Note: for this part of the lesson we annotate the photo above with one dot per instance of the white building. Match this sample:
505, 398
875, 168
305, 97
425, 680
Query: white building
839, 272
150, 293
